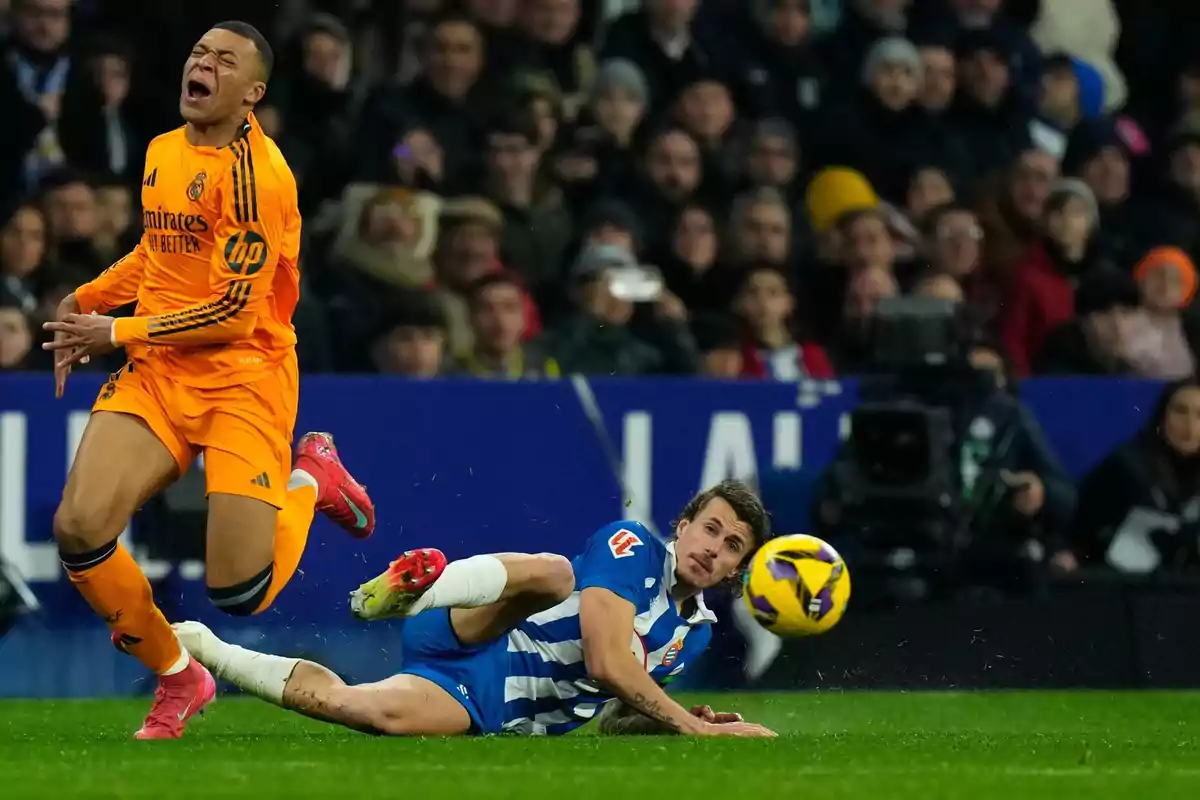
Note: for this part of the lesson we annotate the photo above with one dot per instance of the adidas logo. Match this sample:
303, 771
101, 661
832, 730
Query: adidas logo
262, 480
151, 179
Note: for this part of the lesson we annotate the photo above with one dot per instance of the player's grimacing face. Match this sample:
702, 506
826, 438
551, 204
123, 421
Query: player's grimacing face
712, 545
221, 77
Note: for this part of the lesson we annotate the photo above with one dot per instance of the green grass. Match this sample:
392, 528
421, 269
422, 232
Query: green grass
883, 746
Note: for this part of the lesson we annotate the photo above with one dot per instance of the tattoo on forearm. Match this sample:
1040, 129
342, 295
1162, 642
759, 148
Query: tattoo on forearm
619, 719
637, 725
653, 709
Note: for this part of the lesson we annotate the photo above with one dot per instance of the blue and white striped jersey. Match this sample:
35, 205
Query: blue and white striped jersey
547, 691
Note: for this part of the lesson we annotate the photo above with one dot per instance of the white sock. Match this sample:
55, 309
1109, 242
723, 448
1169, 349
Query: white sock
180, 664
469, 583
300, 478
261, 674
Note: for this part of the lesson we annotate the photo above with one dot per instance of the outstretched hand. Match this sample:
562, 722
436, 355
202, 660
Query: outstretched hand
62, 368
77, 337
716, 717
722, 723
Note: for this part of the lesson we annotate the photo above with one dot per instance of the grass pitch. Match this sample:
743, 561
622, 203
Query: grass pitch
884, 746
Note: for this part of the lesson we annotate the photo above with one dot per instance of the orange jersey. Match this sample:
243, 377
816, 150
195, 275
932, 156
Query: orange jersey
216, 274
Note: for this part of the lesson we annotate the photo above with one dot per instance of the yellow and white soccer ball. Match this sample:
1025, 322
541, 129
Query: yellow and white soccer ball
797, 585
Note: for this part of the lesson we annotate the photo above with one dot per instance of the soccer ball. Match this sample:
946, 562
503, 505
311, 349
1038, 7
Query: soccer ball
797, 586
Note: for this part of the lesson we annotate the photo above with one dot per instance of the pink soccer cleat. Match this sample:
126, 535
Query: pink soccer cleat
339, 497
393, 592
179, 697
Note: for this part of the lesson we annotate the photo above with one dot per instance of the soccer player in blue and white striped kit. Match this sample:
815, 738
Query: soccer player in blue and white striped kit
531, 644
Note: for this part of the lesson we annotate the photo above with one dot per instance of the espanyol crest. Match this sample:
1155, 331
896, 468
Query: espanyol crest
672, 653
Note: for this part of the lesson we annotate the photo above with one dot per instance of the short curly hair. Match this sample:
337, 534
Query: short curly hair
749, 509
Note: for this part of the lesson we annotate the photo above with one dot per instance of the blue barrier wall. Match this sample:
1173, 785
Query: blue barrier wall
463, 466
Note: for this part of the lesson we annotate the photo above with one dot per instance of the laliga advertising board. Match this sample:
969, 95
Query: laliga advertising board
479, 466
469, 467
466, 467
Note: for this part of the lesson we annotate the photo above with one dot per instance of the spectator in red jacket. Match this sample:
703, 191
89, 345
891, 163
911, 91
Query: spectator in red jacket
773, 346
1042, 294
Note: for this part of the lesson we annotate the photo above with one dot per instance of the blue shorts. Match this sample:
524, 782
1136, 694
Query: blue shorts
472, 674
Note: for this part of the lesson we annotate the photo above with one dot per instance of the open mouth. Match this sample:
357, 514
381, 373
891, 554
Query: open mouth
704, 567
195, 90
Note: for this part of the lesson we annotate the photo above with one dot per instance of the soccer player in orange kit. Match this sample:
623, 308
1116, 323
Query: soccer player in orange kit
211, 368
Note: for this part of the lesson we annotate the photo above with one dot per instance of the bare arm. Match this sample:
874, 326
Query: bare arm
606, 621
618, 719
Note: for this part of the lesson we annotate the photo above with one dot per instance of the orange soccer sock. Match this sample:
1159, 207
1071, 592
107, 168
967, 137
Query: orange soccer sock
115, 587
291, 534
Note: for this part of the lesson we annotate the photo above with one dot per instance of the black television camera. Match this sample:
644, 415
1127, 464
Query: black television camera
898, 479
16, 597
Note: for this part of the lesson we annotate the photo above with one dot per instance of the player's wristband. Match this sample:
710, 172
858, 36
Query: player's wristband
112, 333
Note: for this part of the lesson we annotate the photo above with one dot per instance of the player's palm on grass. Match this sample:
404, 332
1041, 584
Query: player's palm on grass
722, 723
747, 729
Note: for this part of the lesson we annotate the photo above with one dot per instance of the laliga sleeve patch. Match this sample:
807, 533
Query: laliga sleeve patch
621, 543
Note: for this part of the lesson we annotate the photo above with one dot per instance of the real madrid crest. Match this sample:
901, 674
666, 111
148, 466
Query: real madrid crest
196, 187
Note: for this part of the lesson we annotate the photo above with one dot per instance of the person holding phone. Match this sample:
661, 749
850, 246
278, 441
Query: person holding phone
607, 283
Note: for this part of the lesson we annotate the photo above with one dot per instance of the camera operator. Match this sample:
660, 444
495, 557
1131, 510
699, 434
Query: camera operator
1019, 499
15, 597
947, 482
1139, 509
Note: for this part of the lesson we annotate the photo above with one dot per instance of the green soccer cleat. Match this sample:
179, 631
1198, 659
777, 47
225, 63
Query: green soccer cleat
394, 592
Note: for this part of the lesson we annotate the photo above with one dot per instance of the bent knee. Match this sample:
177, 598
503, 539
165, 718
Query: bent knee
81, 525
556, 577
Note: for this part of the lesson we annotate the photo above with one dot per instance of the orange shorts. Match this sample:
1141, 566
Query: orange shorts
244, 431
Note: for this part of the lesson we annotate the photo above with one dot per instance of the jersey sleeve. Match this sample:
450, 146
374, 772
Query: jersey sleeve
114, 287
250, 235
619, 557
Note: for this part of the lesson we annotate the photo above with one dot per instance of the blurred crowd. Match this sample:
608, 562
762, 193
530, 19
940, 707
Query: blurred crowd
526, 188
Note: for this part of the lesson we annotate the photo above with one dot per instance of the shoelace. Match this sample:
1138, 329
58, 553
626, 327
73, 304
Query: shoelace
158, 716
